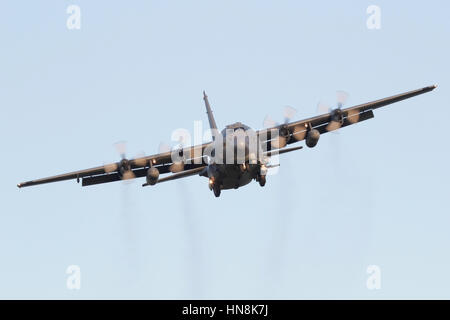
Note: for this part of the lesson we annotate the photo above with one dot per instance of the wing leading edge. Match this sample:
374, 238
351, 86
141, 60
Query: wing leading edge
297, 130
138, 167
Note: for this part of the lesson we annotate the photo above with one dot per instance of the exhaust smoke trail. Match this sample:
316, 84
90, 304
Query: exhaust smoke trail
129, 235
193, 253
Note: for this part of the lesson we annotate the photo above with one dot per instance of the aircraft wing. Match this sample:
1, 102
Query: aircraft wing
296, 131
293, 132
135, 168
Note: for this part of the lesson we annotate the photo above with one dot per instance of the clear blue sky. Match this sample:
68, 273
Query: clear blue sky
374, 194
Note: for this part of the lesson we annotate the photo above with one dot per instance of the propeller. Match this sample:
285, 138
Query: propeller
123, 167
179, 166
336, 112
269, 122
288, 113
176, 166
341, 98
121, 148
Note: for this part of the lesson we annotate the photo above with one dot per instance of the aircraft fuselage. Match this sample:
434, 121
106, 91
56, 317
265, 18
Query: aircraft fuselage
236, 167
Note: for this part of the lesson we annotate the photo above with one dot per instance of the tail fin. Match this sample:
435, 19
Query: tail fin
212, 122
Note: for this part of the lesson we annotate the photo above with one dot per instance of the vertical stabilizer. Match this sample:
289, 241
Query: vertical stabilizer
212, 122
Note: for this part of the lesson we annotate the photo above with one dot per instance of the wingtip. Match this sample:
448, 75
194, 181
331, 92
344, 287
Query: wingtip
204, 94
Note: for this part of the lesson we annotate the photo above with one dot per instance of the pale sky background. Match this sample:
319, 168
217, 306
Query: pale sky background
377, 193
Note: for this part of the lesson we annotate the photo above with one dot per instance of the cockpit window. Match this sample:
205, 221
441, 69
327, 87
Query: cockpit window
235, 126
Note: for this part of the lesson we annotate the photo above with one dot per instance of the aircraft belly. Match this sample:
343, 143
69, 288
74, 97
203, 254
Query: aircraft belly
232, 177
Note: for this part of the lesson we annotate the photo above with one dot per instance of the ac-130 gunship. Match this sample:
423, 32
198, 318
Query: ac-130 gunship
235, 156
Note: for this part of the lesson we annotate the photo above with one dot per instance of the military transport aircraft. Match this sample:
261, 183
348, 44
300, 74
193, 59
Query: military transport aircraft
249, 161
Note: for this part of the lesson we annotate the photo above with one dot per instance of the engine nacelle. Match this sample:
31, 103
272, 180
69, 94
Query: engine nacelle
152, 176
312, 138
124, 167
337, 115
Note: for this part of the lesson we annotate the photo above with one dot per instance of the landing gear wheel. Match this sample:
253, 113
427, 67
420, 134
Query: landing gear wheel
262, 181
216, 190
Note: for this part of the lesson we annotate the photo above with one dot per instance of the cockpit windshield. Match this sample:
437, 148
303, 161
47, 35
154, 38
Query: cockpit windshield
234, 127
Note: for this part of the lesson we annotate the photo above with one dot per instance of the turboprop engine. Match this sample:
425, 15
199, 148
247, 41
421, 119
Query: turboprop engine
152, 176
312, 138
